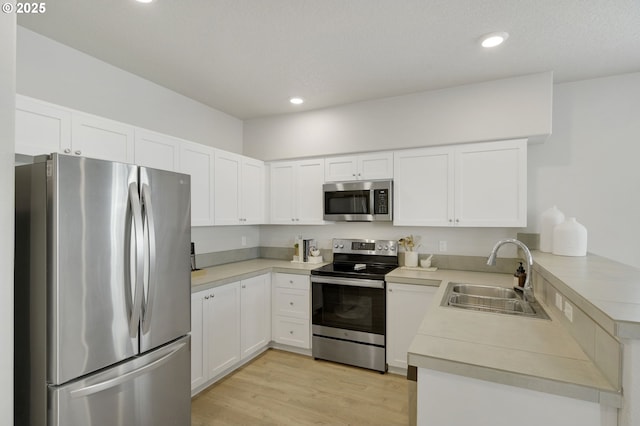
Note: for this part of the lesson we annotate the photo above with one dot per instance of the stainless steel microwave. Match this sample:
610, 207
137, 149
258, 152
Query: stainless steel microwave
358, 201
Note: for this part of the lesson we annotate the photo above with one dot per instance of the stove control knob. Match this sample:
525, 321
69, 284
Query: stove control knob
386, 247
392, 248
335, 246
379, 247
341, 245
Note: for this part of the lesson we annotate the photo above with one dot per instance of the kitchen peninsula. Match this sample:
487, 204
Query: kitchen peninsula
490, 368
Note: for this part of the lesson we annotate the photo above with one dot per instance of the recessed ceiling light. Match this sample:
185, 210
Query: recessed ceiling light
493, 39
296, 100
144, 1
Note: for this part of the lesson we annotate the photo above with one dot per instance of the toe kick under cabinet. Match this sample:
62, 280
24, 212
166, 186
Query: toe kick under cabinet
291, 310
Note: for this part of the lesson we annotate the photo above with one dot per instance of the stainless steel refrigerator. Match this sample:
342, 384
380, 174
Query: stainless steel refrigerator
102, 294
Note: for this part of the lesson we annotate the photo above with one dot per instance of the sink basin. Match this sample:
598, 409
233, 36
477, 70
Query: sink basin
485, 291
488, 298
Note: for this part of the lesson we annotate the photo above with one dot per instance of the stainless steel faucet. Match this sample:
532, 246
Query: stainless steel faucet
491, 261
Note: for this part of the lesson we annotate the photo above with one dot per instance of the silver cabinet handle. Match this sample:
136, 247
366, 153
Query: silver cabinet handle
78, 152
67, 150
390, 290
457, 220
291, 303
206, 297
244, 286
291, 332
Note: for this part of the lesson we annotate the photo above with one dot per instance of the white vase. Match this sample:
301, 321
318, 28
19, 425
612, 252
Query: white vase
411, 258
548, 221
570, 238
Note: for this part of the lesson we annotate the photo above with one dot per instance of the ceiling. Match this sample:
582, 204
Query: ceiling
248, 57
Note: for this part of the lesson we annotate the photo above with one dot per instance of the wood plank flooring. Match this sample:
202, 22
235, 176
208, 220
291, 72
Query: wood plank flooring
283, 388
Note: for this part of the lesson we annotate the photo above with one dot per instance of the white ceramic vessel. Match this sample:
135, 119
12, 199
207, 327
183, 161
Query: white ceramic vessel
570, 238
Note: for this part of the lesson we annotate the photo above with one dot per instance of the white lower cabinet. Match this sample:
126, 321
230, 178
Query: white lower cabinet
255, 307
229, 323
291, 310
407, 305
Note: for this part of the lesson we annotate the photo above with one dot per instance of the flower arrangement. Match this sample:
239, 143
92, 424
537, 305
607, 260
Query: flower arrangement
408, 243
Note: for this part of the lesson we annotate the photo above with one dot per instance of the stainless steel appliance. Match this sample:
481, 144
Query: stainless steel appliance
359, 201
102, 294
349, 303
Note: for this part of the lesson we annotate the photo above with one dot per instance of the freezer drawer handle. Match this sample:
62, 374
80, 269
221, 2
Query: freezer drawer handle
151, 241
111, 383
136, 213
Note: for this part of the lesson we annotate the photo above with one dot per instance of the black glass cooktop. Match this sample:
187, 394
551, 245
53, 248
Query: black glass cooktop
355, 270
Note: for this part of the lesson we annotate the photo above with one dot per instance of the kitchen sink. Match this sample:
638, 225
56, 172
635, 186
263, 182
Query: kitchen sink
488, 298
485, 291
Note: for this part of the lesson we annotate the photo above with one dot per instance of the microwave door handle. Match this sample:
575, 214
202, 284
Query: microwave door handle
372, 203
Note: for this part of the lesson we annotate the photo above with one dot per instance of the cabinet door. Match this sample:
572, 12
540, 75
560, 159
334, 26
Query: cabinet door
198, 369
256, 314
41, 128
491, 184
97, 137
309, 195
378, 165
227, 188
198, 160
223, 328
423, 187
337, 169
407, 306
156, 150
282, 192
252, 190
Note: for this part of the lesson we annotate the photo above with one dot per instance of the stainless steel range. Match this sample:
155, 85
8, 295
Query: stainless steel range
349, 303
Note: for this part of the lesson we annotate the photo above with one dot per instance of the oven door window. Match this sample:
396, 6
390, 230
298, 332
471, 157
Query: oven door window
347, 202
349, 307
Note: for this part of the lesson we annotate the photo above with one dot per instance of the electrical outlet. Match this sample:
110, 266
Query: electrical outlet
243, 241
443, 246
559, 301
568, 311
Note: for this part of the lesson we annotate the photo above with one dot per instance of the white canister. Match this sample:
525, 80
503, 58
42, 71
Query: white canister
570, 238
411, 258
548, 221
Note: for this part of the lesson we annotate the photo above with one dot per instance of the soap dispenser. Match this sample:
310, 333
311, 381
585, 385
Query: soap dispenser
519, 277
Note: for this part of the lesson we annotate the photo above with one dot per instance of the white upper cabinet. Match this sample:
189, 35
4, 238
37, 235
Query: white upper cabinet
239, 190
475, 185
377, 165
156, 150
296, 192
198, 161
41, 128
423, 187
98, 137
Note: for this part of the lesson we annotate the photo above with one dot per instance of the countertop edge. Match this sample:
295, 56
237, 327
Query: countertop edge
216, 276
541, 384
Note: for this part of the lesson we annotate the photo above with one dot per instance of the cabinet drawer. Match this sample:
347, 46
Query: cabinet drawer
292, 331
292, 303
300, 282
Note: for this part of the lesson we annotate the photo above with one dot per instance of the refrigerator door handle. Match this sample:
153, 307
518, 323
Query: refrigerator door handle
111, 383
136, 304
151, 244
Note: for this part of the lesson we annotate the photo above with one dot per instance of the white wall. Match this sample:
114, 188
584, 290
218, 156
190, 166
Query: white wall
589, 166
7, 107
56, 73
501, 109
222, 238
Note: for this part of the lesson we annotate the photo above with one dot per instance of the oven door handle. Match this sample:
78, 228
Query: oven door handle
346, 281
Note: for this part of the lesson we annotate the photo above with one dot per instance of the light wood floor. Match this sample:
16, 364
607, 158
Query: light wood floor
282, 388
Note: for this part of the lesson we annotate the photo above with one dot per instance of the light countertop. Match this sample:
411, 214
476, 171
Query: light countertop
532, 353
224, 274
606, 290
